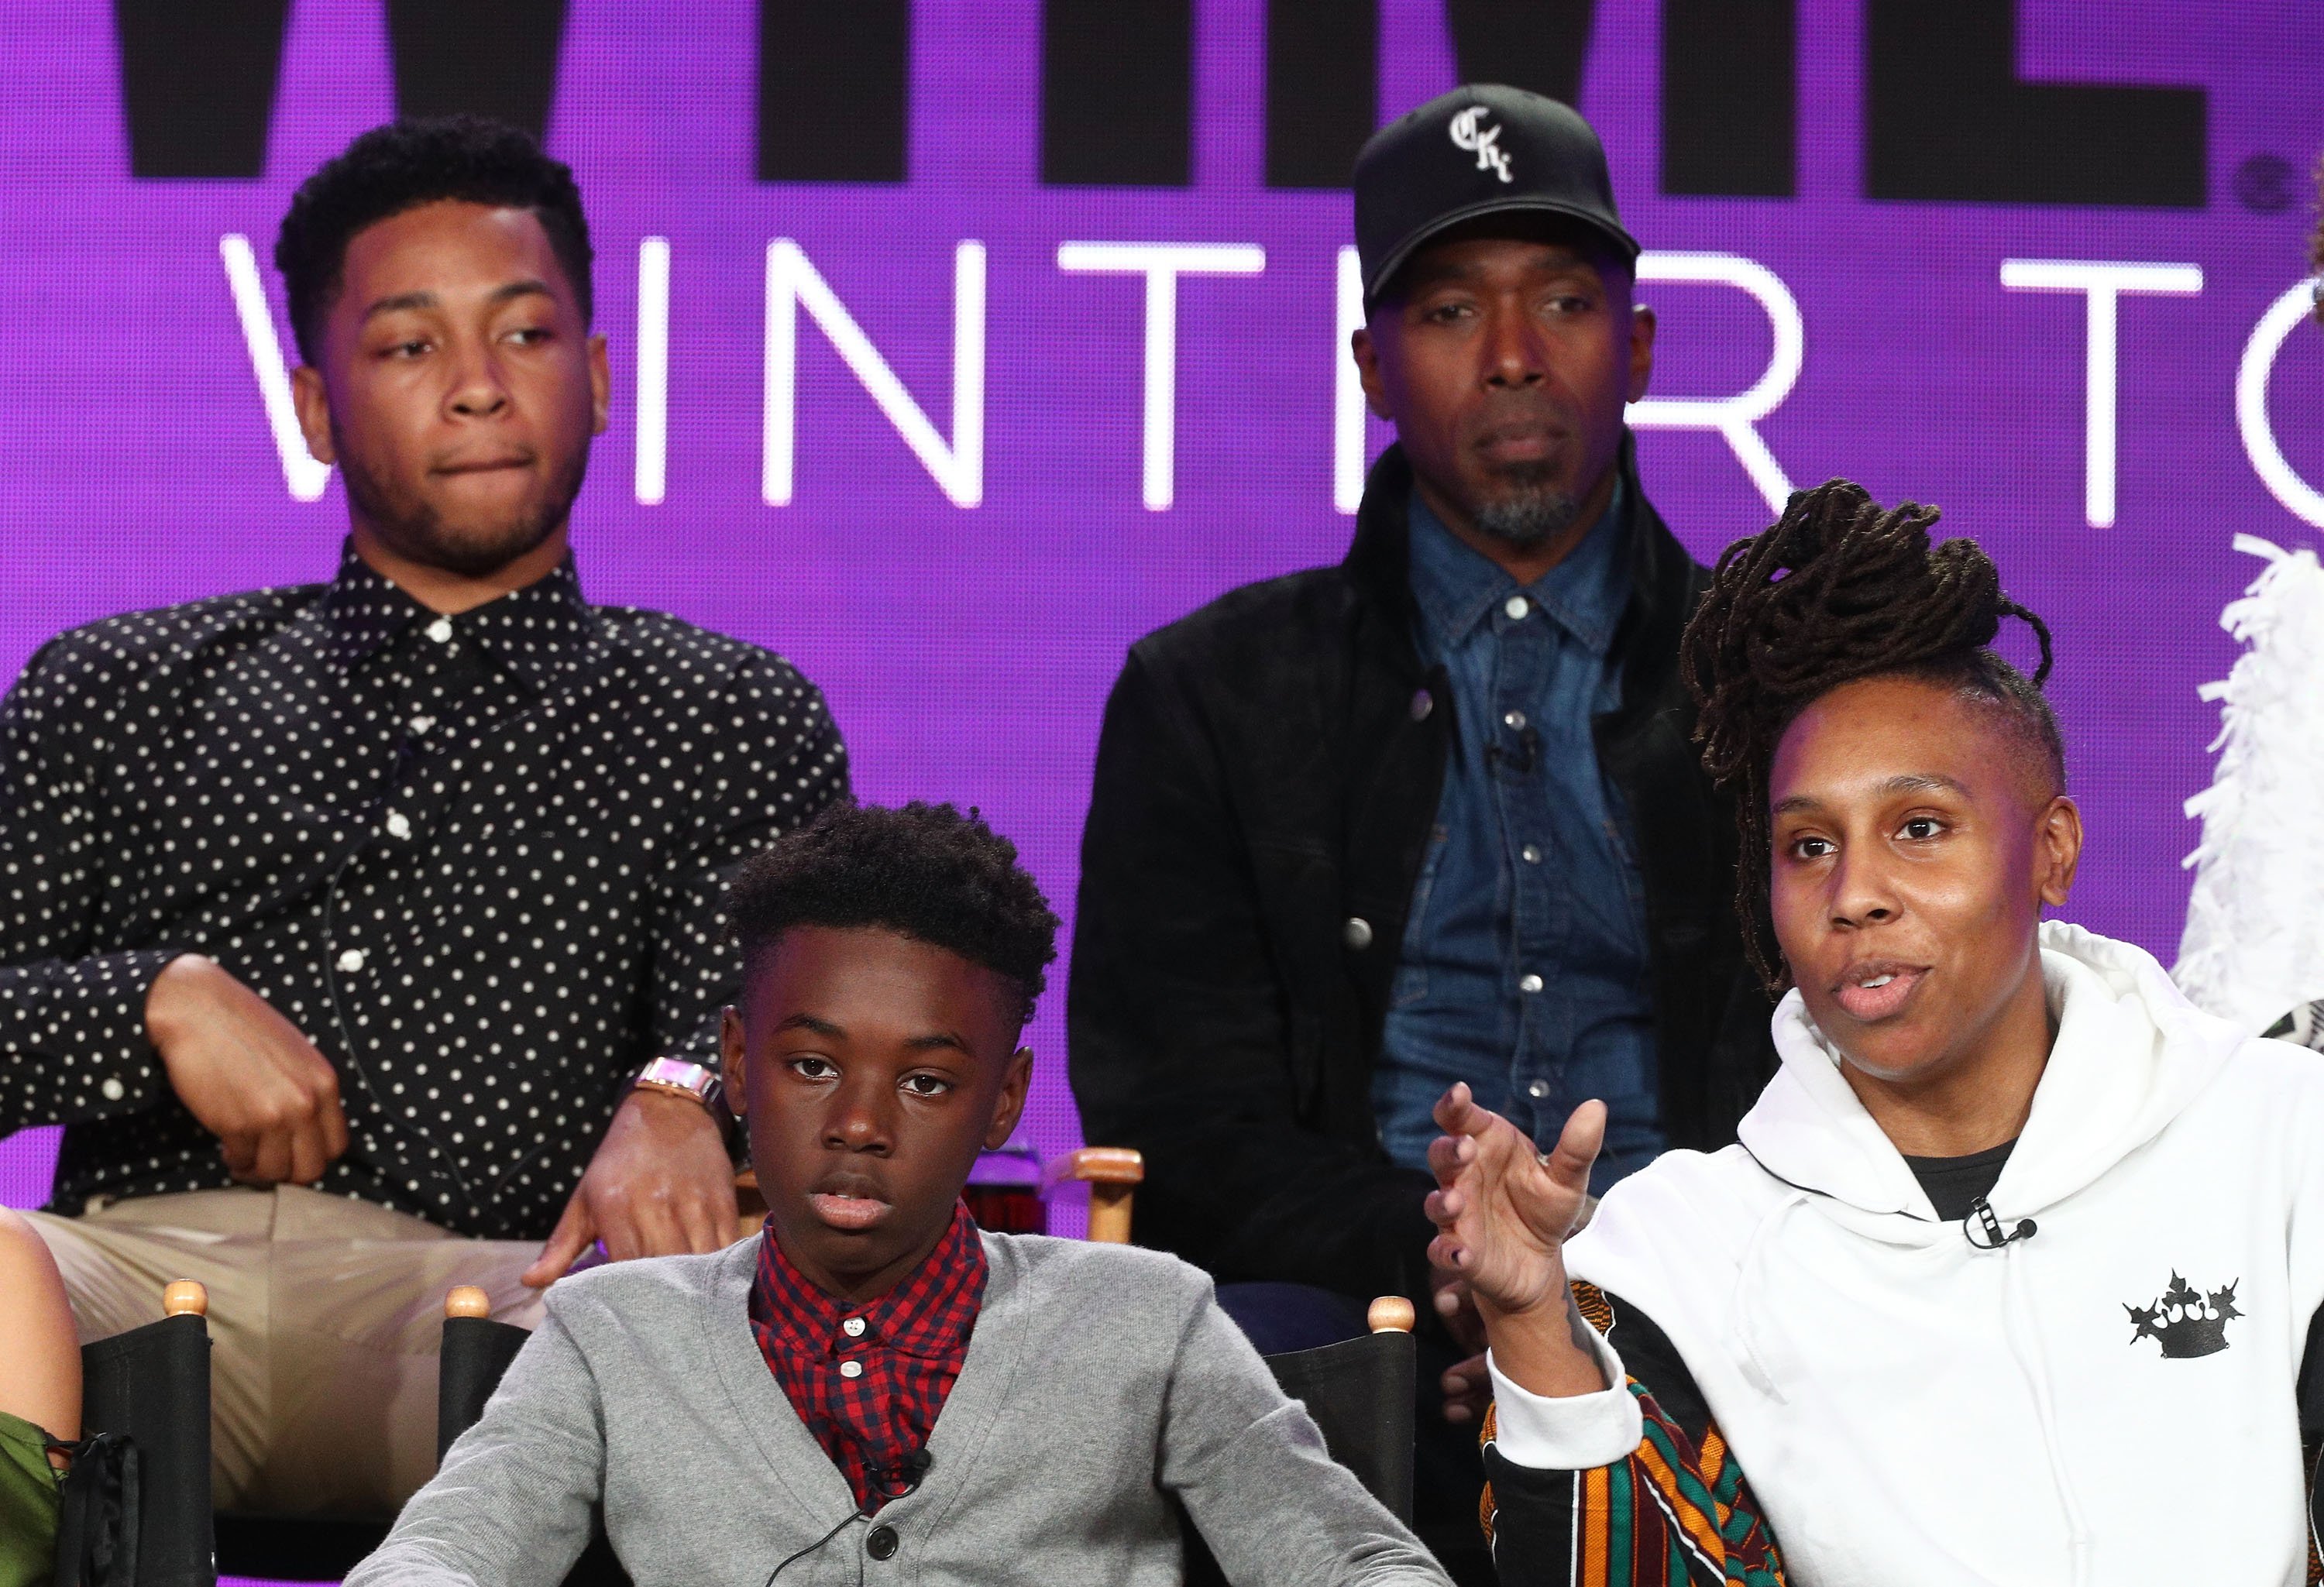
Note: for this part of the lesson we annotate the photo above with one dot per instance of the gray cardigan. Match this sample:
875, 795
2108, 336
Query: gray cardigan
1101, 1382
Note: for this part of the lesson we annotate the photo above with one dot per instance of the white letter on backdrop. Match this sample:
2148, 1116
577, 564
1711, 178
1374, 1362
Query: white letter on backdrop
1348, 407
2282, 317
653, 370
1734, 417
792, 282
2105, 281
306, 477
1162, 263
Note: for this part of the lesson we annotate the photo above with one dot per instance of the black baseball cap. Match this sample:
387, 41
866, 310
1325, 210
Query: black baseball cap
1485, 149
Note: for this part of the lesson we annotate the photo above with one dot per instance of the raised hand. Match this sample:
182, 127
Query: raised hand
245, 1073
1502, 1212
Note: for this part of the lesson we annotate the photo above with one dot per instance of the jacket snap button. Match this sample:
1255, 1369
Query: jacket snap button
1423, 702
1357, 933
881, 1544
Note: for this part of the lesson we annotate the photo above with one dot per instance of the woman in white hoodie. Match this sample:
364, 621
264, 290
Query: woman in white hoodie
2011, 1278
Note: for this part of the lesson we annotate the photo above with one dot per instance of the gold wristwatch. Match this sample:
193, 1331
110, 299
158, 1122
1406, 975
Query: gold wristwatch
681, 1078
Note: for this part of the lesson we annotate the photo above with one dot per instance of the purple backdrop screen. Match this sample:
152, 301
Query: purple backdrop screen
952, 441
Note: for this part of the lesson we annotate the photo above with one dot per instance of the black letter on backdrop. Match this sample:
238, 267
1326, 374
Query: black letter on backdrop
835, 80
1322, 89
1117, 93
198, 80
1535, 44
1947, 118
1730, 98
198, 84
458, 58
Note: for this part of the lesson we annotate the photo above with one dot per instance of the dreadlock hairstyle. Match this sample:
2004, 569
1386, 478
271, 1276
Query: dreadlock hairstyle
1840, 590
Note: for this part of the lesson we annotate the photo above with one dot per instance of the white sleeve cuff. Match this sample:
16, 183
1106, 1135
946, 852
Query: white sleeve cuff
1572, 1432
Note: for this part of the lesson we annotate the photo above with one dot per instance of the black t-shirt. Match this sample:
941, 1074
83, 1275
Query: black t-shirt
1954, 1185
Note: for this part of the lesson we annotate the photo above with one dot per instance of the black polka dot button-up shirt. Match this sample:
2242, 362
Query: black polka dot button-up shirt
478, 860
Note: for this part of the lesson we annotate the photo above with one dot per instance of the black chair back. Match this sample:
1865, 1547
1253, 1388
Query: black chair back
1360, 1393
475, 1352
152, 1385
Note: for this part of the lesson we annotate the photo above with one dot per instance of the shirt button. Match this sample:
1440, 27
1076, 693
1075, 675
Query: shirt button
1357, 933
1423, 702
1516, 607
1514, 719
440, 630
422, 724
850, 1369
1528, 982
1529, 855
351, 961
881, 1543
399, 824
853, 1327
113, 1091
1537, 1090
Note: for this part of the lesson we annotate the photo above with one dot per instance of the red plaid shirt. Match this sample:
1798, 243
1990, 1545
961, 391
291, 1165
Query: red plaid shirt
905, 1349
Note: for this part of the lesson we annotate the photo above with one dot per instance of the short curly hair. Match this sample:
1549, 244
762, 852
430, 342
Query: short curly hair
926, 872
400, 166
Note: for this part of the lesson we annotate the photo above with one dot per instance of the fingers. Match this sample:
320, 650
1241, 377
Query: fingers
1467, 1388
332, 1115
709, 1216
1456, 1112
575, 1232
241, 1152
1444, 1208
1448, 1155
308, 1160
271, 1162
1445, 1251
1577, 1147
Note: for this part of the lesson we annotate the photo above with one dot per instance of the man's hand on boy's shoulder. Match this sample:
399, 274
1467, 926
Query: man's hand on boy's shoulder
660, 1185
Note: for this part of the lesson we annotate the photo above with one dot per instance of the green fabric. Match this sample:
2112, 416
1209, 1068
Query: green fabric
28, 1506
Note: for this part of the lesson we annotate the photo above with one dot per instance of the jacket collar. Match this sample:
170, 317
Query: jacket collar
1379, 562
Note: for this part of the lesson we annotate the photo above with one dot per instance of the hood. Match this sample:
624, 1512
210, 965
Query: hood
2131, 1052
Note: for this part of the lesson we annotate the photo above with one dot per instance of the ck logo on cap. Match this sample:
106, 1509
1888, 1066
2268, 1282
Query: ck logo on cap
1484, 140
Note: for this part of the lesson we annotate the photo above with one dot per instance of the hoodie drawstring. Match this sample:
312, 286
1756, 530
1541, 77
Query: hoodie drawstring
2024, 1336
1754, 1371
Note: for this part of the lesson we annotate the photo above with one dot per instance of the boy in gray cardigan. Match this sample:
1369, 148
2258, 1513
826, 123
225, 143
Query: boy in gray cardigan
874, 1390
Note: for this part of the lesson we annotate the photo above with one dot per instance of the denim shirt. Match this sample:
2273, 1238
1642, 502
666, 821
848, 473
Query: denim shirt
1524, 967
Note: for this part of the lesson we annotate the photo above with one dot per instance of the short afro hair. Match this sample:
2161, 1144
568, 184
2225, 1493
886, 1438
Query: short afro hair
400, 166
924, 871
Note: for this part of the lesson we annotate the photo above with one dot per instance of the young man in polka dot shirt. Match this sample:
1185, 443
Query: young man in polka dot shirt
340, 921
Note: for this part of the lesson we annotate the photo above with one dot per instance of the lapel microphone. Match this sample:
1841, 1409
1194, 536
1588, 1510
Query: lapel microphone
1995, 1236
911, 1471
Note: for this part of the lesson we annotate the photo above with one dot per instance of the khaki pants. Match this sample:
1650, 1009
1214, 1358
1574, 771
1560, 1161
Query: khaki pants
324, 1318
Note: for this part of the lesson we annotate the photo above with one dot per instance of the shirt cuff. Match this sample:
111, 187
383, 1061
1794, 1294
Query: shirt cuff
1571, 1433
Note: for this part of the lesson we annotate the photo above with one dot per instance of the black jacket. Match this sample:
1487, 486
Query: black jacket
1267, 779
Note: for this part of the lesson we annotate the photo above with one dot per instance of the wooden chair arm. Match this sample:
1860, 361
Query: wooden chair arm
1112, 1173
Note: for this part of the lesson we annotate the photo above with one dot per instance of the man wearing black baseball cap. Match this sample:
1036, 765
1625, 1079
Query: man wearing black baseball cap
1430, 814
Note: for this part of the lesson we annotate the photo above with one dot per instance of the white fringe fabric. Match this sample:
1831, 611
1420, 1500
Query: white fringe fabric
2254, 946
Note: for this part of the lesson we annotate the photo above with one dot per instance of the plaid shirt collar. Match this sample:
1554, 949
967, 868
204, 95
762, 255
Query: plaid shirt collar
929, 1313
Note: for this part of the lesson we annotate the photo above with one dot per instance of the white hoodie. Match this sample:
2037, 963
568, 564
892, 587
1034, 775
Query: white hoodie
1910, 1408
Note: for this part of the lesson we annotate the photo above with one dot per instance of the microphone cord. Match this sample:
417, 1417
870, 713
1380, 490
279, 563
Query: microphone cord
915, 1470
